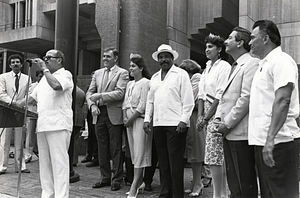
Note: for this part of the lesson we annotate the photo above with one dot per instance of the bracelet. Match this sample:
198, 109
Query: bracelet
46, 70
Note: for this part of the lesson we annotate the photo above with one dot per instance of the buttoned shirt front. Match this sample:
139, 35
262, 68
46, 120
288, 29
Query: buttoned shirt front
276, 70
170, 100
214, 79
136, 95
54, 107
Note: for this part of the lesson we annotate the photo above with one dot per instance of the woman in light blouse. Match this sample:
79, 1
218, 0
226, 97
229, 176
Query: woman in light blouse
211, 87
140, 143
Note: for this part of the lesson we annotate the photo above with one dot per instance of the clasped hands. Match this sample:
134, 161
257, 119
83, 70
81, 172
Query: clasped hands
220, 127
181, 127
94, 108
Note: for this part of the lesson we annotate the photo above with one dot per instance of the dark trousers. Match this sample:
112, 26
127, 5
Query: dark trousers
240, 169
170, 148
282, 179
149, 171
92, 148
109, 139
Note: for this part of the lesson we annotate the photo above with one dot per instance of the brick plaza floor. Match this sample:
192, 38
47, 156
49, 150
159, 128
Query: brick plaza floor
31, 188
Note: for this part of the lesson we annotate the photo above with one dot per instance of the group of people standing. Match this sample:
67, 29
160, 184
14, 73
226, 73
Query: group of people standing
237, 120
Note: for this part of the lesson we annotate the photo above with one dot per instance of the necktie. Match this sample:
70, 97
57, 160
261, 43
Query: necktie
233, 66
17, 82
105, 79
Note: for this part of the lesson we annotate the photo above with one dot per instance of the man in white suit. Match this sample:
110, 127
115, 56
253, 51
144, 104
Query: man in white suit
12, 89
232, 116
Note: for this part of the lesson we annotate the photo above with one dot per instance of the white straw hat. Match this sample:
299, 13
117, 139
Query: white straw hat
164, 48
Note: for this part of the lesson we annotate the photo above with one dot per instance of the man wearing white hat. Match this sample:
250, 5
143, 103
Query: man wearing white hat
170, 104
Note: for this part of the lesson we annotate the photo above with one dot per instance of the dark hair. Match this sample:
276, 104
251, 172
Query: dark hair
190, 66
60, 55
243, 35
140, 62
219, 42
269, 27
114, 50
15, 56
38, 72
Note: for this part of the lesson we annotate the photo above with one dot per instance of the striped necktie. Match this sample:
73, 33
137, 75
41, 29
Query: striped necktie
105, 79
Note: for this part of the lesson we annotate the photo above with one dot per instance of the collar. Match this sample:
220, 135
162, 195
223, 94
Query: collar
112, 68
272, 54
59, 70
13, 74
242, 59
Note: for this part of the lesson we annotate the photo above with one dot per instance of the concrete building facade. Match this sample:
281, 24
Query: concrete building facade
140, 26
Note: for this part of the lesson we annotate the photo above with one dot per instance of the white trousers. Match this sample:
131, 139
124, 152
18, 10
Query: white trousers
54, 163
5, 146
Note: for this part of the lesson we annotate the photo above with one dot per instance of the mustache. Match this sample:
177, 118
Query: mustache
164, 61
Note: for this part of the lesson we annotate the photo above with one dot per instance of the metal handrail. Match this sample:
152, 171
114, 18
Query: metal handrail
15, 25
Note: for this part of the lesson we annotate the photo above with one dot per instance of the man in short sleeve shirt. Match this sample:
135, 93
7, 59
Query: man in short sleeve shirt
274, 107
53, 95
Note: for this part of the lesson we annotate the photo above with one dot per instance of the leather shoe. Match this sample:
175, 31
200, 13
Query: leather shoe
100, 185
115, 187
148, 187
86, 159
92, 164
24, 171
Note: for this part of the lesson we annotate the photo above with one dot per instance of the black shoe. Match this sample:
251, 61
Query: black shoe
86, 159
100, 185
115, 187
92, 164
24, 171
148, 187
206, 182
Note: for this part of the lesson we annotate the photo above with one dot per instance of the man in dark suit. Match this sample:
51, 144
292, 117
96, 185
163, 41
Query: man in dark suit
233, 112
104, 98
12, 89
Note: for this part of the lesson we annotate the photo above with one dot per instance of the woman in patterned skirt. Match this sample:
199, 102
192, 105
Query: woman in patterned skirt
211, 87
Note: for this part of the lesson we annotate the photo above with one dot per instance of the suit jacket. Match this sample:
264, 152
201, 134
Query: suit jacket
233, 107
8, 89
80, 99
113, 94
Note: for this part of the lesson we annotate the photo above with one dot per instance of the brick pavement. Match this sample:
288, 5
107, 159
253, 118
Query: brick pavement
31, 188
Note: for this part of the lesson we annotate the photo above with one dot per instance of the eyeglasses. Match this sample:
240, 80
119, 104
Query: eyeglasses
46, 58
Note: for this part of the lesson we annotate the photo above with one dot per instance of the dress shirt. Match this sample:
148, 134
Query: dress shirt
170, 100
54, 107
214, 79
276, 70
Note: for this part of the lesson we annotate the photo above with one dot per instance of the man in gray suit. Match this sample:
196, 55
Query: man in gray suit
232, 116
104, 98
12, 89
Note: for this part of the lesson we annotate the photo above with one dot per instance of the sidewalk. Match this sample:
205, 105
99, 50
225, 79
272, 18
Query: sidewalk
31, 188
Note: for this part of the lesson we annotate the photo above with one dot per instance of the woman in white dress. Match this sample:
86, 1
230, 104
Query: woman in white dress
140, 143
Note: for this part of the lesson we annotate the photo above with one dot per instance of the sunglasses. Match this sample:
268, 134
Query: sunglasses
46, 58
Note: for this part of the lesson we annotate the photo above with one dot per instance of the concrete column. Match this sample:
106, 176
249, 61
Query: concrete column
66, 40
